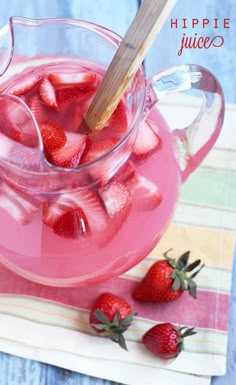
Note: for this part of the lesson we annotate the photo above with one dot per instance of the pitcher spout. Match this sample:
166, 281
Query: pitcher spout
6, 47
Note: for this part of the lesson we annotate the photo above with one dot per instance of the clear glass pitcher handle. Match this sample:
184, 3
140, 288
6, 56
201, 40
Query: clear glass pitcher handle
194, 141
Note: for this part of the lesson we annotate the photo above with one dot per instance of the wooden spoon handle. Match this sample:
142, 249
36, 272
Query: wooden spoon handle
128, 58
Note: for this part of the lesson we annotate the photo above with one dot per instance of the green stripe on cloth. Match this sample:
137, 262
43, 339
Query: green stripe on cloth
210, 188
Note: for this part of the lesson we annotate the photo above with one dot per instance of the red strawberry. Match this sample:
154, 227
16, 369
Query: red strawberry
111, 315
167, 279
118, 203
53, 136
116, 199
70, 94
166, 340
25, 84
75, 111
82, 78
146, 195
147, 142
70, 154
18, 204
82, 205
101, 172
72, 224
37, 108
17, 123
118, 121
98, 149
47, 93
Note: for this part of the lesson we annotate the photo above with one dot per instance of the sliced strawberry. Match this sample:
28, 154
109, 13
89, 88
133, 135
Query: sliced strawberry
82, 78
47, 93
147, 142
37, 108
94, 218
146, 195
105, 170
53, 136
125, 173
72, 224
75, 111
118, 203
116, 198
98, 149
118, 121
68, 94
17, 123
70, 154
25, 84
18, 204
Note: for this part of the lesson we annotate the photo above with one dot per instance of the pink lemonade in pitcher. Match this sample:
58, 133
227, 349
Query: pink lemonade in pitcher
77, 208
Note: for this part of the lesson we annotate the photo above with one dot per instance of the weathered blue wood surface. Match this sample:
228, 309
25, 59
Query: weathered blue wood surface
117, 15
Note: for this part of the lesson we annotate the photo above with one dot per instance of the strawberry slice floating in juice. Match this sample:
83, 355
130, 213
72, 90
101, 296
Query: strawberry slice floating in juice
145, 194
146, 143
81, 206
82, 79
53, 136
72, 224
118, 121
117, 201
16, 123
37, 108
69, 155
25, 84
104, 171
47, 93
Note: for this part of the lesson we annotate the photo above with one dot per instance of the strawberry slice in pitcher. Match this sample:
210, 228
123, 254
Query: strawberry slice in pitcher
25, 84
16, 122
69, 155
76, 213
118, 203
104, 171
118, 121
47, 94
82, 78
53, 136
145, 194
72, 224
146, 143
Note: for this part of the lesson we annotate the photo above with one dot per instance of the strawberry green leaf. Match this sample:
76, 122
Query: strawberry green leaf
192, 288
183, 260
128, 320
193, 265
196, 272
176, 284
116, 318
102, 317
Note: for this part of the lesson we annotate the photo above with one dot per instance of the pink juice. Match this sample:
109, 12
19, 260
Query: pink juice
69, 218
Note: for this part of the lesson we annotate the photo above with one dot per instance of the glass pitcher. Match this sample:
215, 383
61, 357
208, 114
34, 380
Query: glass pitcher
78, 209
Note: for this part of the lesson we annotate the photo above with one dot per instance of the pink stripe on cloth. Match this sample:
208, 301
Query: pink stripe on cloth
210, 310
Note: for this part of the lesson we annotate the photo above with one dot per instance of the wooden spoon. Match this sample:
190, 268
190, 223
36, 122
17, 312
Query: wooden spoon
128, 58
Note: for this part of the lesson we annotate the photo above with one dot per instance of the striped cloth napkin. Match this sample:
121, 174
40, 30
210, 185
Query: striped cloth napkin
51, 324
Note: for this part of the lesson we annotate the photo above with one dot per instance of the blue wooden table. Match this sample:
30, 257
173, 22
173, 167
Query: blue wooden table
117, 15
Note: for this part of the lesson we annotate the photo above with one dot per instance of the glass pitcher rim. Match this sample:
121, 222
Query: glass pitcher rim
116, 39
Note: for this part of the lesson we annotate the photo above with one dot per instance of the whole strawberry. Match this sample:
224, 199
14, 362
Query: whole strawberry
166, 340
167, 279
111, 315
